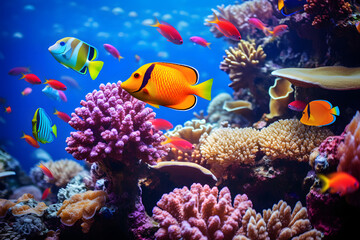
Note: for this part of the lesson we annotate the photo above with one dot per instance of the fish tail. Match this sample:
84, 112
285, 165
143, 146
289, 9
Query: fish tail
335, 111
204, 89
56, 112
216, 19
46, 81
94, 68
157, 24
23, 76
23, 135
208, 45
120, 57
54, 129
166, 141
325, 182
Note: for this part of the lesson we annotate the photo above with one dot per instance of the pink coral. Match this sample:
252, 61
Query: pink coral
199, 213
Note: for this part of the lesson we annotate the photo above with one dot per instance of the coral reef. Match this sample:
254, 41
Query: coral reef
291, 139
226, 147
26, 204
28, 225
199, 213
215, 111
325, 12
349, 155
75, 186
280, 97
63, 171
277, 223
82, 206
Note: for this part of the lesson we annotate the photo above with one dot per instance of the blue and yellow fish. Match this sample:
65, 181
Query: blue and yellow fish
77, 55
41, 127
319, 113
289, 7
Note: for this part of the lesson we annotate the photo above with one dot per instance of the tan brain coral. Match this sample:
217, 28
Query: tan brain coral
63, 171
82, 206
290, 139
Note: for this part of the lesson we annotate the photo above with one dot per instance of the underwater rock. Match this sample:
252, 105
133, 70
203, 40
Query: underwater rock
29, 226
76, 185
63, 171
31, 189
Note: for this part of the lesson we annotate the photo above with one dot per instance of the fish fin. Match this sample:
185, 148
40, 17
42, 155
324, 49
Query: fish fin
23, 76
65, 65
335, 111
208, 45
153, 105
67, 55
204, 89
23, 136
157, 24
216, 19
54, 129
83, 70
94, 68
120, 57
280, 4
191, 74
325, 182
46, 81
188, 103
168, 140
56, 111
92, 53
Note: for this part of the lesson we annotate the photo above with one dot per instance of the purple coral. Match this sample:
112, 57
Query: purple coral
199, 213
113, 124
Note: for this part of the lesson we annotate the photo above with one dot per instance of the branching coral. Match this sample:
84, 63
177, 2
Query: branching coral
229, 146
63, 171
290, 139
199, 213
326, 11
243, 63
349, 155
82, 206
279, 223
239, 15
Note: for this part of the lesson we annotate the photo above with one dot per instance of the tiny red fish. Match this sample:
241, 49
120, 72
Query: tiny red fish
62, 95
339, 182
297, 105
179, 143
226, 28
161, 124
278, 30
200, 41
168, 32
30, 140
46, 193
8, 109
63, 116
113, 51
31, 78
18, 70
26, 91
46, 171
55, 84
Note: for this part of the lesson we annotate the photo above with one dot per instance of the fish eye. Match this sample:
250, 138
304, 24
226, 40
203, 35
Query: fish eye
62, 43
136, 75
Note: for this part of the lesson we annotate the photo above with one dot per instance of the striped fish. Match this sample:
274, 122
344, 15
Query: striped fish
41, 127
77, 55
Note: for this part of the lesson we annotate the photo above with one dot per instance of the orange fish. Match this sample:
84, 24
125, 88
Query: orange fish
168, 32
178, 143
30, 140
46, 171
55, 84
339, 182
8, 109
259, 25
46, 193
31, 78
63, 116
319, 113
167, 84
278, 30
226, 28
161, 124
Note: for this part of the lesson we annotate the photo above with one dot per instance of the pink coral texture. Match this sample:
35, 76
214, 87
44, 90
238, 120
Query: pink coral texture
111, 124
199, 213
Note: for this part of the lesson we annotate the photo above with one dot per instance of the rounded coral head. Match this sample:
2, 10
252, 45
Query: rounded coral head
113, 126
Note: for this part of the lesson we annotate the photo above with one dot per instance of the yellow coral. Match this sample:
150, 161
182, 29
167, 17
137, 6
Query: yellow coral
242, 64
228, 146
279, 223
82, 206
290, 139
63, 171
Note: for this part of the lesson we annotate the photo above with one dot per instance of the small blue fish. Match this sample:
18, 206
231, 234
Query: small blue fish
41, 127
52, 93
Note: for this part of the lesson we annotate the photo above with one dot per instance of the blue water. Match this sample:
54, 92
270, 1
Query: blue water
28, 28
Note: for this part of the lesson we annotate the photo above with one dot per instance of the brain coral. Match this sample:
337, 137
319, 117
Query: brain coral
63, 171
290, 139
199, 213
228, 146
111, 125
82, 206
279, 223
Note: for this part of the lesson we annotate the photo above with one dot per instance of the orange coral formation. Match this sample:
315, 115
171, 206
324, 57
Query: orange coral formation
20, 207
4, 206
82, 206
63, 171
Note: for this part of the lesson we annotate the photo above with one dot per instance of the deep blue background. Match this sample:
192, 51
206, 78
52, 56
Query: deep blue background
41, 23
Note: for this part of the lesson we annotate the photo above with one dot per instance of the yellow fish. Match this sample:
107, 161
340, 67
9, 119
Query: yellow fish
77, 55
167, 84
319, 113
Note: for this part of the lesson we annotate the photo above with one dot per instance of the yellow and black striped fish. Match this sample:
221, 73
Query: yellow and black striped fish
77, 55
41, 127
